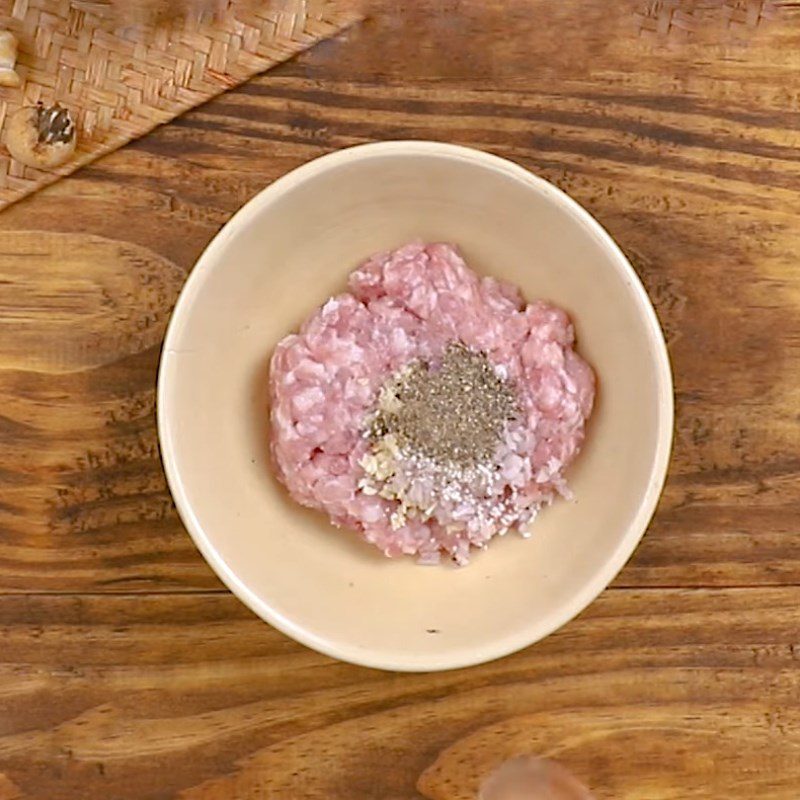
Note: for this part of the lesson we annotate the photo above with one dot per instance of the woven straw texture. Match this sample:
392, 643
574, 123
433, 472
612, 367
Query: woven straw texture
120, 83
685, 20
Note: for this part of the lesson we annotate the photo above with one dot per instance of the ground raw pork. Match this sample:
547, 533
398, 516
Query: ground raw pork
428, 408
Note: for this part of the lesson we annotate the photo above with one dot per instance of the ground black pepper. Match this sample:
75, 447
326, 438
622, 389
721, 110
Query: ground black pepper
454, 414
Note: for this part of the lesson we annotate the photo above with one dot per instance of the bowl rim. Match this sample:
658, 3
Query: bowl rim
541, 627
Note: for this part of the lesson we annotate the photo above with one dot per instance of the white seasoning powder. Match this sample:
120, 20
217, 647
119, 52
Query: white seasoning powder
434, 440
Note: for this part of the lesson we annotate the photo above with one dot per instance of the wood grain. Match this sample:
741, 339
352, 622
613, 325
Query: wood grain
127, 672
667, 694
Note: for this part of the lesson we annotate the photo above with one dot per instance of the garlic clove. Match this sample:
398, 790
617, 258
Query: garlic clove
8, 60
41, 136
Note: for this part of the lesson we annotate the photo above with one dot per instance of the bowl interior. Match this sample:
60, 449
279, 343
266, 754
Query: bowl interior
287, 252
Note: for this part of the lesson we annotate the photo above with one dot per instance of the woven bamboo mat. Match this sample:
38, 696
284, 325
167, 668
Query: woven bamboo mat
121, 82
717, 20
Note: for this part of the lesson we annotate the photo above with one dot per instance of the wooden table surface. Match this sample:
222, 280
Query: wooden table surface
127, 671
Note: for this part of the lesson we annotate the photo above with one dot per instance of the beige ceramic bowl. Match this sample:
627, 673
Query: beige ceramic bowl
286, 252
